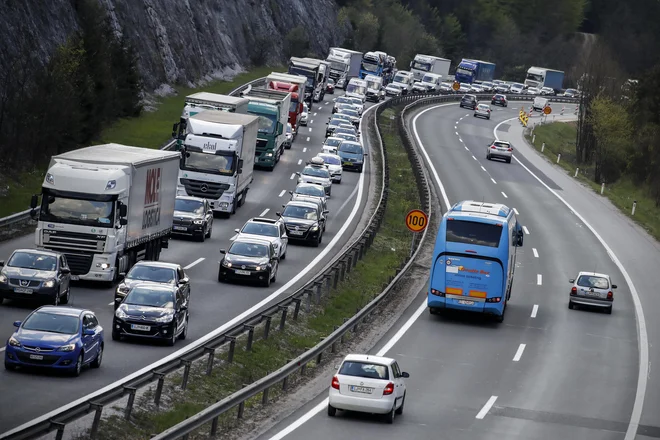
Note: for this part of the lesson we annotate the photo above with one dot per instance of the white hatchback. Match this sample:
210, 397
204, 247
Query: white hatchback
370, 384
266, 229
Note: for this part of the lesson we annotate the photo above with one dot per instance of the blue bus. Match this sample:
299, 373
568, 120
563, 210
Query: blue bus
474, 259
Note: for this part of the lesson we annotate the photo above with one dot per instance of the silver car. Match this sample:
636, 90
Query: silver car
500, 150
592, 289
317, 173
483, 111
333, 163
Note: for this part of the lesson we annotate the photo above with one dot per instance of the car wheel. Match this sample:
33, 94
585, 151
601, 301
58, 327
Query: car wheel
172, 339
201, 237
317, 242
475, 115
283, 256
360, 170
56, 300
9, 367
116, 336
208, 233
266, 282
77, 368
99, 358
571, 305
508, 160
332, 411
2, 300
184, 333
608, 310
219, 276
67, 296
389, 417
500, 318
488, 156
403, 402
274, 279
488, 118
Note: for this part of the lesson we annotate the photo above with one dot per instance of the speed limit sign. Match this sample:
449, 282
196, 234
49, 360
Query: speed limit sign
417, 220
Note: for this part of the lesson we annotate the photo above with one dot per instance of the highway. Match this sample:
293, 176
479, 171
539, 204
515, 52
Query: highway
27, 395
547, 372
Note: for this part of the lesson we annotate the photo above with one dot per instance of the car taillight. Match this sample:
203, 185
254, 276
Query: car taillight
335, 383
389, 389
610, 295
574, 291
493, 147
509, 149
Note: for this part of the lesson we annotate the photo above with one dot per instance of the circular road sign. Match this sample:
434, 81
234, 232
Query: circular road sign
547, 110
456, 86
417, 220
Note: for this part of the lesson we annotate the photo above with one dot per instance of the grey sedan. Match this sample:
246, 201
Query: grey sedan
592, 289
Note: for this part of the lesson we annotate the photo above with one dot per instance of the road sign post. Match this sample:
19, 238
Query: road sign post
416, 221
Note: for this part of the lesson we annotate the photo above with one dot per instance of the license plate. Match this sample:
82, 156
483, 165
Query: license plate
466, 302
592, 293
22, 290
144, 328
179, 228
37, 357
348, 163
296, 232
75, 277
242, 272
363, 390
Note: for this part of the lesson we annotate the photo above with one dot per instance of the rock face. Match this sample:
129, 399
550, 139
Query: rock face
178, 41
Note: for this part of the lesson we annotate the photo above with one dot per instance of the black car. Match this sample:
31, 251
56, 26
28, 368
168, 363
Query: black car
35, 275
153, 272
249, 259
152, 311
304, 221
499, 99
192, 217
469, 101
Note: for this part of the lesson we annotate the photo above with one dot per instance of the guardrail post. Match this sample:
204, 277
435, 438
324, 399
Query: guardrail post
186, 373
296, 309
342, 264
241, 407
333, 349
209, 361
319, 289
214, 427
60, 429
602, 188
98, 409
341, 338
268, 319
285, 381
308, 294
576, 172
284, 310
131, 401
362, 249
250, 329
232, 348
335, 280
328, 282
354, 254
159, 388
349, 262
543, 147
319, 359
634, 207
264, 396
558, 157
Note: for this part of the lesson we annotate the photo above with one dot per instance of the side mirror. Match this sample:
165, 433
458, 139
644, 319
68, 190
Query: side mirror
298, 173
184, 308
123, 221
284, 236
65, 271
2, 263
17, 324
365, 154
88, 332
184, 281
122, 274
209, 212
175, 128
223, 251
123, 210
280, 128
278, 214
240, 166
291, 192
326, 211
34, 201
519, 241
283, 206
405, 375
571, 281
613, 286
118, 299
237, 230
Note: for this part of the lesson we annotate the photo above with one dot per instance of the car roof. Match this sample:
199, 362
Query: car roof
197, 199
307, 198
469, 96
63, 310
352, 142
333, 138
263, 220
594, 274
302, 203
369, 358
155, 286
158, 264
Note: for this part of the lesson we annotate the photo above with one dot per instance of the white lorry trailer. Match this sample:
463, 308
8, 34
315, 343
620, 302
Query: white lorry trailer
106, 207
218, 158
423, 64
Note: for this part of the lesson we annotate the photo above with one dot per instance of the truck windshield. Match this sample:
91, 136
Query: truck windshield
426, 67
293, 107
373, 85
267, 123
77, 211
306, 73
401, 78
369, 67
336, 65
463, 71
535, 77
209, 163
357, 89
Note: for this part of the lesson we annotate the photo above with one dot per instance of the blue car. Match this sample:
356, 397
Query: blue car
352, 155
59, 338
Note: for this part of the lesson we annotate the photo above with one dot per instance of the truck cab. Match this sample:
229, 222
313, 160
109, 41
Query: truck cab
315, 72
294, 84
268, 149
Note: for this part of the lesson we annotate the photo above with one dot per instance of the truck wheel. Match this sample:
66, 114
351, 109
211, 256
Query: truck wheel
241, 201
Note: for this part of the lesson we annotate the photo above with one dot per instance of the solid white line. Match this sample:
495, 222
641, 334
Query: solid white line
402, 331
482, 167
474, 158
493, 181
642, 334
282, 193
516, 211
197, 261
292, 176
203, 340
265, 211
299, 161
487, 407
519, 353
526, 230
536, 253
539, 279
307, 138
505, 196
535, 310
305, 150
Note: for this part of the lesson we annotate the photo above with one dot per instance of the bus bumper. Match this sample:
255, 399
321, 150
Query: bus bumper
436, 303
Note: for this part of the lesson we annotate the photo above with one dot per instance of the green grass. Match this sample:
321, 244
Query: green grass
150, 130
559, 138
388, 251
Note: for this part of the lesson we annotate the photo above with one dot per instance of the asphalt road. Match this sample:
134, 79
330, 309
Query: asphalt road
547, 372
27, 395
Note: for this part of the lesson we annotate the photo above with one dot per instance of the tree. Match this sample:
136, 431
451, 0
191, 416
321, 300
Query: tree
612, 130
296, 42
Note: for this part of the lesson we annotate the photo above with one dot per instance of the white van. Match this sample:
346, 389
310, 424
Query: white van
357, 88
539, 103
430, 83
405, 80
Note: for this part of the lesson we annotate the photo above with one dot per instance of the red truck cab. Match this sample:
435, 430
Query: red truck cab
296, 108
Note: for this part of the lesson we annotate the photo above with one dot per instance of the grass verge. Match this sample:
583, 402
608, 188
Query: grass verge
150, 130
389, 249
559, 138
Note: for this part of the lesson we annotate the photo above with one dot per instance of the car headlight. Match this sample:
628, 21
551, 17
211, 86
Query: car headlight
165, 318
49, 283
269, 154
68, 347
198, 222
258, 268
120, 314
14, 342
3, 278
315, 227
226, 263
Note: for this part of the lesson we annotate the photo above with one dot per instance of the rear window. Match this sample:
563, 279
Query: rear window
364, 369
480, 234
501, 144
593, 282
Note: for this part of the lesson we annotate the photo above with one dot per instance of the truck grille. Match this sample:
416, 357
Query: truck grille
261, 145
79, 248
79, 263
205, 190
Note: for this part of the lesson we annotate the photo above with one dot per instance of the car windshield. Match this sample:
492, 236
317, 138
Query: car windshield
394, 86
591, 281
350, 112
330, 159
151, 273
350, 148
364, 369
331, 81
343, 100
303, 212
192, 206
248, 249
347, 137
338, 117
53, 323
355, 101
315, 172
29, 260
428, 79
257, 228
332, 142
144, 296
483, 107
345, 131
310, 190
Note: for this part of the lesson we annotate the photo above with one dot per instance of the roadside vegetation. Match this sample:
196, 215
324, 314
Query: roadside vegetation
388, 252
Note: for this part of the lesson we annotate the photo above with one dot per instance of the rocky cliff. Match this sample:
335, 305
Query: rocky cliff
177, 41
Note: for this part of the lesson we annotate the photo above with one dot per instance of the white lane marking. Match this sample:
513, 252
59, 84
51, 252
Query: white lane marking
504, 194
482, 167
642, 334
516, 211
456, 127
327, 103
536, 253
486, 407
203, 340
307, 138
466, 147
474, 158
526, 230
311, 122
310, 128
265, 211
460, 140
519, 353
194, 263
282, 193
299, 161
314, 114
539, 279
535, 310
456, 133
292, 176
305, 150
493, 181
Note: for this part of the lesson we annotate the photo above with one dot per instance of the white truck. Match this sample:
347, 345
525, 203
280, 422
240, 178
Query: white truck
429, 64
218, 158
106, 207
344, 65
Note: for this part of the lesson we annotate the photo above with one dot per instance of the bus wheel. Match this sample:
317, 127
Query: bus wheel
433, 311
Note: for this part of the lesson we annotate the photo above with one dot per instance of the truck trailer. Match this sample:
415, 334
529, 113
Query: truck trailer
423, 64
107, 207
218, 159
469, 71
542, 77
316, 74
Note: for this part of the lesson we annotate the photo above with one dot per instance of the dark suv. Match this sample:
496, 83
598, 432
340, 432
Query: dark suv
304, 221
35, 275
469, 101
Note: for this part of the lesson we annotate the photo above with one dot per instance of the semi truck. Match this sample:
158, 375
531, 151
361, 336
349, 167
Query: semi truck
107, 207
344, 65
217, 159
542, 77
372, 63
272, 108
469, 71
294, 84
324, 70
316, 73
423, 64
